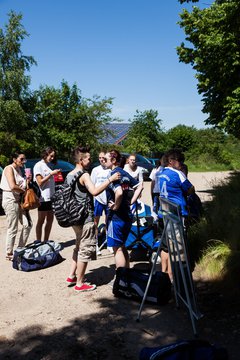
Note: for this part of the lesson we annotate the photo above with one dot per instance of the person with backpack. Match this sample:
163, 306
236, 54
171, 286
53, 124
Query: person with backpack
85, 249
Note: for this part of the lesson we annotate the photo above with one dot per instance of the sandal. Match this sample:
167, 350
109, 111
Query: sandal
9, 257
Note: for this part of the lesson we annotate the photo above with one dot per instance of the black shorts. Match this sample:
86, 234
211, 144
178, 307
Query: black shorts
45, 206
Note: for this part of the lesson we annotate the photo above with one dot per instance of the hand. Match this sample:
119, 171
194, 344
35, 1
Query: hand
115, 177
111, 204
54, 172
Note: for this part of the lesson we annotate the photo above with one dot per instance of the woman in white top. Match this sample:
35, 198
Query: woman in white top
131, 167
14, 185
43, 175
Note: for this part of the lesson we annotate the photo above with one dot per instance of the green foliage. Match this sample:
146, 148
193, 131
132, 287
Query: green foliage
145, 134
215, 56
182, 136
64, 119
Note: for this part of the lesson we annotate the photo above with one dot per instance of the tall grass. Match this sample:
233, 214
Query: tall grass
219, 258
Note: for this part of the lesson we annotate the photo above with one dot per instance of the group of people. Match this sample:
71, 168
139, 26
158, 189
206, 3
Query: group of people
14, 183
116, 183
110, 189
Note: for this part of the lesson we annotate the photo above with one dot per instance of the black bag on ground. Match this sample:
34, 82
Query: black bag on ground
67, 209
131, 283
37, 255
185, 350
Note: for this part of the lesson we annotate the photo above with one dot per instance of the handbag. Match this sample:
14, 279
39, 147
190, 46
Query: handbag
30, 200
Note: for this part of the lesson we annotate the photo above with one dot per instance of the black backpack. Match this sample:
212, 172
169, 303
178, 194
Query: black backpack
67, 209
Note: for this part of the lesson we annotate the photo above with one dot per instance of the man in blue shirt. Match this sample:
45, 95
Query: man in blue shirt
175, 187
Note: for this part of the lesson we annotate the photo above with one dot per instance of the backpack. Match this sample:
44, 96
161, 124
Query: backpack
37, 255
185, 350
67, 209
131, 283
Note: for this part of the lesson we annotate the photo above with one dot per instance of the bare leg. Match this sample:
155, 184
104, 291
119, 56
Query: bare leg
164, 261
121, 256
40, 222
48, 225
81, 269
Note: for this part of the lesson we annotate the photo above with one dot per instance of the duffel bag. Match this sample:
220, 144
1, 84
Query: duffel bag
131, 283
37, 255
185, 350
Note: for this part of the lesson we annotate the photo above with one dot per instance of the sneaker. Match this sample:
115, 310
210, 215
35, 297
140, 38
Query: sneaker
71, 281
85, 287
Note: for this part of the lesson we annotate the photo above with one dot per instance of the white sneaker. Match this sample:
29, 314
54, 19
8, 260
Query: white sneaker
110, 249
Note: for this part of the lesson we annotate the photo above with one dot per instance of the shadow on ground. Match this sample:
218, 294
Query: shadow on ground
113, 333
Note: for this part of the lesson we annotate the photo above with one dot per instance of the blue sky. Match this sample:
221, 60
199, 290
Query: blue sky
125, 49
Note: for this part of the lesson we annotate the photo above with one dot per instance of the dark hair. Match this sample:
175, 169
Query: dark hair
115, 154
123, 161
15, 155
79, 152
174, 154
48, 150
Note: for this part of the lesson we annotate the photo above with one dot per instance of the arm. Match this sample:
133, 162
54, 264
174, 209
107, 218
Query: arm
42, 180
191, 190
11, 180
137, 192
118, 199
85, 180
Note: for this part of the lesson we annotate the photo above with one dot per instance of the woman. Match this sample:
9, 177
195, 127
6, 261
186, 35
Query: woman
120, 197
14, 185
43, 175
85, 249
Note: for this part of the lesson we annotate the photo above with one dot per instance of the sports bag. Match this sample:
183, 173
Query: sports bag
67, 209
185, 350
131, 283
30, 200
37, 255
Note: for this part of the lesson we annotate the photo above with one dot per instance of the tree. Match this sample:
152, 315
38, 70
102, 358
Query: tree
14, 92
64, 119
215, 56
182, 136
145, 134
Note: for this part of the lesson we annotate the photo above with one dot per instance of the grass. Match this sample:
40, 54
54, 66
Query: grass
219, 259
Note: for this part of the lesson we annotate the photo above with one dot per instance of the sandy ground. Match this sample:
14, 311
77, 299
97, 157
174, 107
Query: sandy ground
41, 318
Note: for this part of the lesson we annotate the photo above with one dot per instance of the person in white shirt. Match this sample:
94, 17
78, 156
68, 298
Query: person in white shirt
100, 174
43, 175
14, 184
131, 167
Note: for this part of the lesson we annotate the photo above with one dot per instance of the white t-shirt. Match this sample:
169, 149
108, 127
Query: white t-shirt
48, 188
137, 174
154, 176
98, 175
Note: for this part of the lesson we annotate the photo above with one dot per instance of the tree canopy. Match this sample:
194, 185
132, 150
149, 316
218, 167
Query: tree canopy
213, 50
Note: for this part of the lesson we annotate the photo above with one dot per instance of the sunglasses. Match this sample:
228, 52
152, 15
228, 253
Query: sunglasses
23, 159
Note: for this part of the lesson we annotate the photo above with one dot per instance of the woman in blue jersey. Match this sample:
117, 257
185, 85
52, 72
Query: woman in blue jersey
120, 198
174, 186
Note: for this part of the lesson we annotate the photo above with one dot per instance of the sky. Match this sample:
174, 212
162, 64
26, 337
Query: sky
123, 49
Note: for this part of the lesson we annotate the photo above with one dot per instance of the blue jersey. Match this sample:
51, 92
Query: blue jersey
173, 186
127, 183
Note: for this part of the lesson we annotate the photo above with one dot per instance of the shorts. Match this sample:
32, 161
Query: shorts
85, 248
117, 231
99, 208
45, 206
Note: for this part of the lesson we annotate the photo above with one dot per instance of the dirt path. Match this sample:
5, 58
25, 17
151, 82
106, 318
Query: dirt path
41, 318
